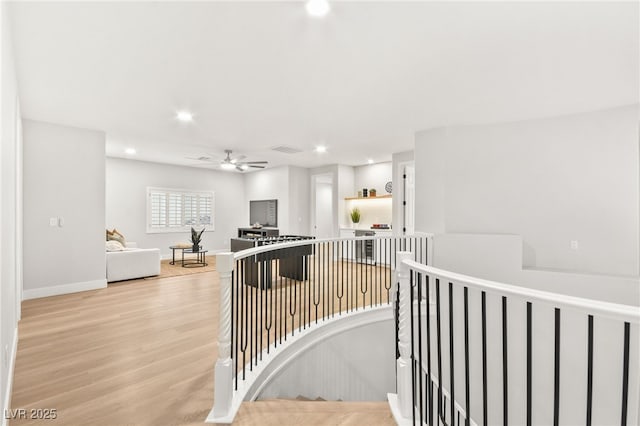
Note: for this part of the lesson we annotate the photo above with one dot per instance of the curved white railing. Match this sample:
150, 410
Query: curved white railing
474, 351
273, 293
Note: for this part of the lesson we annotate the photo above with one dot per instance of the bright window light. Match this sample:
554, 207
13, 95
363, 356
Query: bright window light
318, 8
184, 116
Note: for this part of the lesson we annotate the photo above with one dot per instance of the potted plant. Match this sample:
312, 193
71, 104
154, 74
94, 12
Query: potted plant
195, 239
355, 215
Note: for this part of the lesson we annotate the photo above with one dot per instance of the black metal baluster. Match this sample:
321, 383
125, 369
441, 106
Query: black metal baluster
625, 374
589, 368
429, 381
556, 371
484, 360
244, 338
419, 369
268, 300
505, 378
234, 322
413, 357
332, 281
451, 353
325, 282
466, 359
250, 326
292, 303
340, 286
439, 336
529, 362
342, 270
282, 319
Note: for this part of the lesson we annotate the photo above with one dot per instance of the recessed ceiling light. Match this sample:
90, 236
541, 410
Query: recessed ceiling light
370, 161
317, 8
130, 151
184, 116
321, 148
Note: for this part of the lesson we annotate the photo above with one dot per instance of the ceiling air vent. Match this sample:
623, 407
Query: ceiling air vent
287, 149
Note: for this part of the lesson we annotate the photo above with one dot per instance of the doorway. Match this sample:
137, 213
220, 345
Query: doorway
323, 221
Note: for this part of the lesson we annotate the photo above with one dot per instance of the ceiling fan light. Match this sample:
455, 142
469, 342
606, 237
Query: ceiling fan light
227, 166
244, 167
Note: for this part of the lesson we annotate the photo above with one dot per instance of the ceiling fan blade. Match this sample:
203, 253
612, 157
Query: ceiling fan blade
256, 162
256, 167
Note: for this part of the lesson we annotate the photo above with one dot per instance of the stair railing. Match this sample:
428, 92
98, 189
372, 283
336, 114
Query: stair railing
271, 293
478, 352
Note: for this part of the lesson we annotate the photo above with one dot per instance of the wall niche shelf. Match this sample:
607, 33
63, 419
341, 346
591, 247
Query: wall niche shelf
369, 198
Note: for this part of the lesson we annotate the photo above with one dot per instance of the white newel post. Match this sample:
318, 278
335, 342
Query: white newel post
223, 374
404, 380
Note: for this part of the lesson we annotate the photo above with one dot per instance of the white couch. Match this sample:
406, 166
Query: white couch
131, 263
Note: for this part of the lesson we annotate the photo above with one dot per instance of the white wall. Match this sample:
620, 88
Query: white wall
63, 178
373, 176
354, 365
126, 198
299, 201
269, 184
468, 254
345, 184
552, 181
10, 211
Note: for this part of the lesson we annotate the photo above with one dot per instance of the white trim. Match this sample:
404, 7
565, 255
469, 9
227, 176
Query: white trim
9, 386
392, 398
265, 248
35, 293
614, 311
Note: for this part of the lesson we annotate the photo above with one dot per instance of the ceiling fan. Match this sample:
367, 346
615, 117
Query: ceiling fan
235, 163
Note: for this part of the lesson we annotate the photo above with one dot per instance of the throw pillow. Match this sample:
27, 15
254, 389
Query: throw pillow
115, 236
114, 246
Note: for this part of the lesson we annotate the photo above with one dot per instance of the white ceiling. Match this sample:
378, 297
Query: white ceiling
361, 81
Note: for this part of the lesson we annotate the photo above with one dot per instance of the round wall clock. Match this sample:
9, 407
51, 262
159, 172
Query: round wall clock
388, 187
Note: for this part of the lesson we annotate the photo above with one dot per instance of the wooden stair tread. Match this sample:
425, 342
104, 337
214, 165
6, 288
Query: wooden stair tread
280, 412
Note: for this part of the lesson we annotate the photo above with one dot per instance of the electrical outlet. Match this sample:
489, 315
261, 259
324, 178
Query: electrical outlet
574, 245
53, 221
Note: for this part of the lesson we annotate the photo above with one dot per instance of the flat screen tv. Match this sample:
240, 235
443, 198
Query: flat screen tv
264, 212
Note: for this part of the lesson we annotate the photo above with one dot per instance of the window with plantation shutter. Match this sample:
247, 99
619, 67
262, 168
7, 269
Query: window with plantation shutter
174, 210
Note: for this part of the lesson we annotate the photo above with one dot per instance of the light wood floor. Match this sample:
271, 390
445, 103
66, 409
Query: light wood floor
142, 353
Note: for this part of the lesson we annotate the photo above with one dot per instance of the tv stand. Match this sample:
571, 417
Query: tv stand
257, 232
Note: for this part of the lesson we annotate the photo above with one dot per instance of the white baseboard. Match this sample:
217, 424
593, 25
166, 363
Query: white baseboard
63, 289
9, 385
